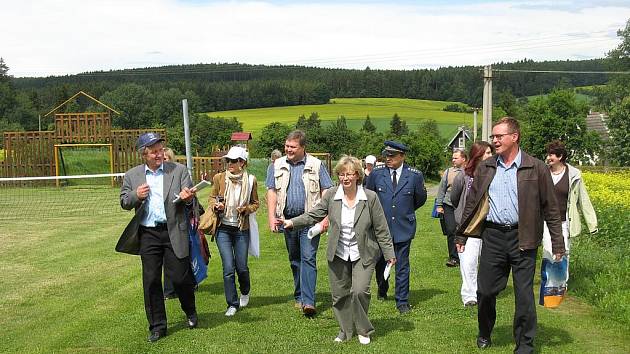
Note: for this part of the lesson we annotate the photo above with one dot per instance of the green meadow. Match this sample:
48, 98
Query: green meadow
381, 110
65, 290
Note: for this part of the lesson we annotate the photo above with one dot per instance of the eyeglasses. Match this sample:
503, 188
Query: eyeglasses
347, 175
498, 136
231, 160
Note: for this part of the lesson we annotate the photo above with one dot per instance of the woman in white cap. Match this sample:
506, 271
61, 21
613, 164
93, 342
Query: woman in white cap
370, 162
233, 198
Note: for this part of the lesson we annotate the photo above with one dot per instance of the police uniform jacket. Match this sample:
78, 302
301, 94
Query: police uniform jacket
399, 205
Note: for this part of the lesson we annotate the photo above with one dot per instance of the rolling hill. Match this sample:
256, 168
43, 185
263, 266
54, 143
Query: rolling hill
355, 110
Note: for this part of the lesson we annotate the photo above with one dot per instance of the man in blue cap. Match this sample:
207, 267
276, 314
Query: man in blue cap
401, 191
158, 232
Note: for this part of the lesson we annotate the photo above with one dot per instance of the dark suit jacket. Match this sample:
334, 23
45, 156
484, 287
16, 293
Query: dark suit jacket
370, 226
399, 205
176, 177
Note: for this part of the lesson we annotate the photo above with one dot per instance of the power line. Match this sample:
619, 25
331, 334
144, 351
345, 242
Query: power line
561, 71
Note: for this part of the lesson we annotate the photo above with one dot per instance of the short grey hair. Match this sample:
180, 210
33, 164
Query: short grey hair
276, 154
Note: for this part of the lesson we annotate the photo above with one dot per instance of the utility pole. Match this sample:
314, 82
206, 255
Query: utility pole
486, 124
187, 137
475, 110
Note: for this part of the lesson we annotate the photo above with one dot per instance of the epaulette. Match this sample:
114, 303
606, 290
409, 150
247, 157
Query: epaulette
411, 169
379, 167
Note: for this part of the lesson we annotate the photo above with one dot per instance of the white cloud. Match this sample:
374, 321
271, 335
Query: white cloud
48, 37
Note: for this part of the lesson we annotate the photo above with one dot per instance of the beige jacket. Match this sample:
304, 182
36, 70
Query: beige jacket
218, 189
310, 178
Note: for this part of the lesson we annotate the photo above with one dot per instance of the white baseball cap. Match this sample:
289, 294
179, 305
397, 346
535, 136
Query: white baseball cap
371, 159
236, 152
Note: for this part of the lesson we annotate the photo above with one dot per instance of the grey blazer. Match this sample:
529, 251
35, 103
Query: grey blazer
176, 177
370, 226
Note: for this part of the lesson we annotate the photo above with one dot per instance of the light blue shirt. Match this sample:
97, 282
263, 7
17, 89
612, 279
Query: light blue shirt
154, 210
503, 193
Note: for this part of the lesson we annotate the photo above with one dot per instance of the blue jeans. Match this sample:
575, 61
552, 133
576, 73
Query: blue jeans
233, 245
303, 259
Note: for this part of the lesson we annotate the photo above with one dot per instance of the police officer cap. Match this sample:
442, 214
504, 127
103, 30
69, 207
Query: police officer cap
148, 139
394, 147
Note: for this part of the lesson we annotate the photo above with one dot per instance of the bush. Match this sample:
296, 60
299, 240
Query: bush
599, 263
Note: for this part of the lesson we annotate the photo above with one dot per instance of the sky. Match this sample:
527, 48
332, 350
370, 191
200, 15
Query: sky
60, 37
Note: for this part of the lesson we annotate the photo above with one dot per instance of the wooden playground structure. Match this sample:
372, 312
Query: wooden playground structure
35, 153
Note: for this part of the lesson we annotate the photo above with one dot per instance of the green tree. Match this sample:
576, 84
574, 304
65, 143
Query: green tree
4, 71
134, 102
426, 149
339, 139
616, 99
398, 127
560, 115
207, 132
619, 128
368, 126
272, 136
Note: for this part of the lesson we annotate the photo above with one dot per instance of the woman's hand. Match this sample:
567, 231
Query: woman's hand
219, 206
241, 210
460, 248
288, 224
392, 261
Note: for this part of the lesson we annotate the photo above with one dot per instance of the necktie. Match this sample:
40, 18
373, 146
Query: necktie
394, 181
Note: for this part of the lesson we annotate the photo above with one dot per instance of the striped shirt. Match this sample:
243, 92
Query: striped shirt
503, 193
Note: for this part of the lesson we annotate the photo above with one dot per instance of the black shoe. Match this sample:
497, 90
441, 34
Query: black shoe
192, 321
452, 263
471, 303
156, 335
404, 308
170, 296
483, 343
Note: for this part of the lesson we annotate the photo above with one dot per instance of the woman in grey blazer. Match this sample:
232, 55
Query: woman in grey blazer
357, 235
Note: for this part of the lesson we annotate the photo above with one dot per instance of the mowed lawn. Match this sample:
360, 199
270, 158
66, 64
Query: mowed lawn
355, 110
64, 289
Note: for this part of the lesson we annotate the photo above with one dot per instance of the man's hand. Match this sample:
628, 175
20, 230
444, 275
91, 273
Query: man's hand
440, 210
460, 248
187, 194
142, 191
392, 261
274, 223
324, 224
558, 256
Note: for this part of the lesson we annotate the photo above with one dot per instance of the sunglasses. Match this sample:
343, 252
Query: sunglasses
231, 160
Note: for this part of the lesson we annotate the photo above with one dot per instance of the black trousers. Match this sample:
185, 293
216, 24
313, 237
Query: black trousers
449, 226
500, 254
155, 251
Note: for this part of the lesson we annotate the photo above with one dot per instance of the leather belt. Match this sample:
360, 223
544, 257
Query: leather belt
158, 226
501, 227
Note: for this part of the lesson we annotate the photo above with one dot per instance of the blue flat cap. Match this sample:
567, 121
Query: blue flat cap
148, 139
393, 147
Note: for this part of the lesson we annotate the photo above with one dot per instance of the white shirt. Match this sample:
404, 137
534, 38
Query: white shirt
398, 172
347, 247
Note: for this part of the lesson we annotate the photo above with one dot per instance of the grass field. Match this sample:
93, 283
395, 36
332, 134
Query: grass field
64, 289
355, 110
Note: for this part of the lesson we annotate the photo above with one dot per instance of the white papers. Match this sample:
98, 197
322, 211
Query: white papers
199, 186
314, 231
388, 268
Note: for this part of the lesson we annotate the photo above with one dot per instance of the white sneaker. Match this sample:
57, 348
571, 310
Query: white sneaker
364, 340
338, 340
244, 300
231, 311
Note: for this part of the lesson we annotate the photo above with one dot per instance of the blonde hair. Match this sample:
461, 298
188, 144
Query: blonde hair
169, 155
350, 163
